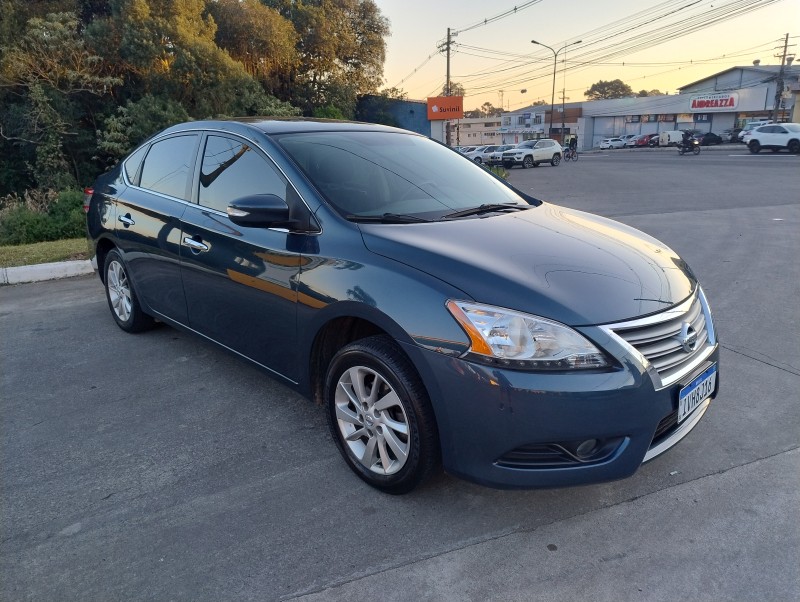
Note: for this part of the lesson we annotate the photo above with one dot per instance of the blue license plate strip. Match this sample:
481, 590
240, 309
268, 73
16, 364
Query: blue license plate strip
693, 394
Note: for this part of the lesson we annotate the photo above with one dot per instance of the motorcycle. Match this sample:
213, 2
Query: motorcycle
690, 146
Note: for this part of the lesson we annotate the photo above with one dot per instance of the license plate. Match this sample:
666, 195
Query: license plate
693, 394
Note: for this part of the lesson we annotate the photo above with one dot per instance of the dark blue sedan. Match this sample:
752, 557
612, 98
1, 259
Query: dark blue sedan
441, 317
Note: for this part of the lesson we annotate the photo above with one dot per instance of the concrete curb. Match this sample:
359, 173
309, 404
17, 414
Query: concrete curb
45, 271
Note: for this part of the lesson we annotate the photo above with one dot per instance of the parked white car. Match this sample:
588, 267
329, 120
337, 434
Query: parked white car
750, 126
482, 154
496, 156
533, 152
611, 143
775, 136
476, 154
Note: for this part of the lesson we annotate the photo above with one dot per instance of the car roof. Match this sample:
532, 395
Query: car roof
283, 125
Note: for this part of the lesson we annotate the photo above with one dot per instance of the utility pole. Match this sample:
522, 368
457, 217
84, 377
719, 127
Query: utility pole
447, 91
563, 110
447, 81
779, 82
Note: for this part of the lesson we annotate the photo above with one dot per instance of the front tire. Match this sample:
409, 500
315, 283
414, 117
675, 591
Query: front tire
794, 146
696, 150
478, 160
555, 160
527, 163
380, 416
754, 147
121, 296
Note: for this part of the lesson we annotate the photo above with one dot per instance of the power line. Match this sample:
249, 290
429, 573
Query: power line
503, 15
721, 12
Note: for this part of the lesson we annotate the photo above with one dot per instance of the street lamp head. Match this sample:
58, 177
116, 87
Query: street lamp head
535, 42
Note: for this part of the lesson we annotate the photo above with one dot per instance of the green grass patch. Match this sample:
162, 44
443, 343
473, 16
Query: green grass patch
44, 252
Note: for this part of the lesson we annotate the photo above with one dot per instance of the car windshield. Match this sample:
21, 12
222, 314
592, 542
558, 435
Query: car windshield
365, 174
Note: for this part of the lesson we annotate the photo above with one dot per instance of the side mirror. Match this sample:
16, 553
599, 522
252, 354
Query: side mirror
260, 211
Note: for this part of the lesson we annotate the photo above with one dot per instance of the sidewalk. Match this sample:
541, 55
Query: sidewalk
45, 271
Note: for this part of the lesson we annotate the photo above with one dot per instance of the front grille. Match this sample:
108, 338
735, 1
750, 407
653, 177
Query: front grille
660, 338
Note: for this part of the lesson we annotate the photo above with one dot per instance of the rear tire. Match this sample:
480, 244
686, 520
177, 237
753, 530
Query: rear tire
121, 296
380, 416
478, 160
794, 146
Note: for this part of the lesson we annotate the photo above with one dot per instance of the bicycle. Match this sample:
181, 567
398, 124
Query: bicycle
570, 153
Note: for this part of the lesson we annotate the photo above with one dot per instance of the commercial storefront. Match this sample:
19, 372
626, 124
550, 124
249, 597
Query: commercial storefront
722, 101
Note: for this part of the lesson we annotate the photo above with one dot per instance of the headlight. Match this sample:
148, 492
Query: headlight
518, 340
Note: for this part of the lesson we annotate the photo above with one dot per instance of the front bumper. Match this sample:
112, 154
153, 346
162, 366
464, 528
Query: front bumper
512, 429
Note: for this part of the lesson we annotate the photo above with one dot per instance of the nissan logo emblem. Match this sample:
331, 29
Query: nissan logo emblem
688, 337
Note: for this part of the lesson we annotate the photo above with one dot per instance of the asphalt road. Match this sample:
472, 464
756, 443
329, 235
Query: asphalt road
158, 467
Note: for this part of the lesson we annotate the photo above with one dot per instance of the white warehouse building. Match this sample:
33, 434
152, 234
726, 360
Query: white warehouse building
721, 101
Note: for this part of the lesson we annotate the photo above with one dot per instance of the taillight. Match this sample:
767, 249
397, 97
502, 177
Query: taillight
87, 198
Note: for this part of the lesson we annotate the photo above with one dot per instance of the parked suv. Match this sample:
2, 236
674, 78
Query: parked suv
775, 137
533, 152
438, 315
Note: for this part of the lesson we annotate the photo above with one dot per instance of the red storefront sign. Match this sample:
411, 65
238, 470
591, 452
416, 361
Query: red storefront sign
726, 101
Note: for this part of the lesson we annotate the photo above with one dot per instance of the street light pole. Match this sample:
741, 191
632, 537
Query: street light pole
555, 64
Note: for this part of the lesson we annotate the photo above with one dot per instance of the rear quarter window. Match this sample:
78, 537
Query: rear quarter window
168, 164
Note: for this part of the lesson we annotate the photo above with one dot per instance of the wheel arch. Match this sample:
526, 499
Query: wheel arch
329, 339
104, 245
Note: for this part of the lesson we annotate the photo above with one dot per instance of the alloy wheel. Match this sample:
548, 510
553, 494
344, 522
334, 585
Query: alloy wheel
372, 420
119, 291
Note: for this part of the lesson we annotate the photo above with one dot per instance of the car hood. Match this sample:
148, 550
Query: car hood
558, 263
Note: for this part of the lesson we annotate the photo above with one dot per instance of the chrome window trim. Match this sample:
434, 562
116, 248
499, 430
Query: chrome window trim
215, 211
678, 434
665, 316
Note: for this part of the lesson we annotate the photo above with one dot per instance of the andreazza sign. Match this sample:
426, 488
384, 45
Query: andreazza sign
725, 101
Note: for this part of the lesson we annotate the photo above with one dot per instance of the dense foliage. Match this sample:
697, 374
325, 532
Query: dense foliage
612, 89
84, 81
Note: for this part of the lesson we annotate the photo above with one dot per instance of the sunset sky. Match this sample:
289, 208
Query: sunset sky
499, 55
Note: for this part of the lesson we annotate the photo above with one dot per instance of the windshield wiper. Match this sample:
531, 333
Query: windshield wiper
388, 218
487, 208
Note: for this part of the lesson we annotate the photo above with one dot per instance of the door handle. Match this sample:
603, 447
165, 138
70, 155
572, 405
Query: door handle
126, 220
197, 246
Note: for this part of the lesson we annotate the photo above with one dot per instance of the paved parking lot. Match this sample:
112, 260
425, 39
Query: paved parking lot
156, 466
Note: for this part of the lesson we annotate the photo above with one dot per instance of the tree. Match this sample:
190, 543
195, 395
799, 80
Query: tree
489, 110
52, 73
168, 49
256, 35
456, 89
341, 50
643, 93
612, 89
